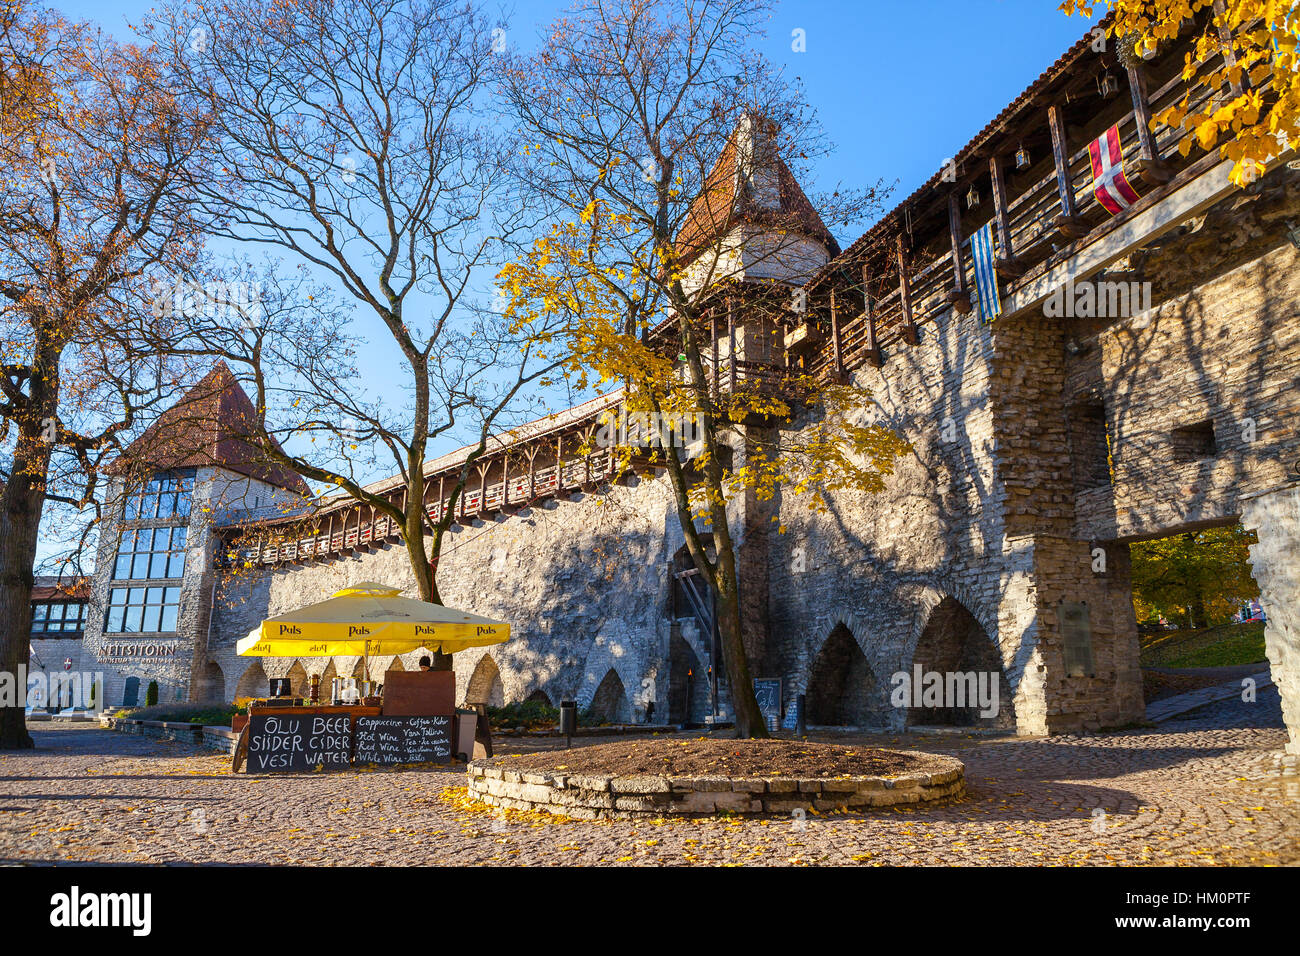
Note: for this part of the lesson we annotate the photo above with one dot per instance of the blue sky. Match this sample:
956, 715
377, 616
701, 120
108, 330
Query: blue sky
898, 86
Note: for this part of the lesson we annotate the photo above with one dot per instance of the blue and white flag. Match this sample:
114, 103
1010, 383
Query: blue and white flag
986, 278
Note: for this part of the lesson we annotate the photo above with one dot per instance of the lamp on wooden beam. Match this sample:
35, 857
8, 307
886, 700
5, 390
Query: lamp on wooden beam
972, 198
1022, 157
1109, 85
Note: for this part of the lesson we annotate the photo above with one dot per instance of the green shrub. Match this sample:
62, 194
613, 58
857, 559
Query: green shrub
151, 694
528, 713
206, 714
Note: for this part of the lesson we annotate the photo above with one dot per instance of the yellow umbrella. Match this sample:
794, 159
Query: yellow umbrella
370, 620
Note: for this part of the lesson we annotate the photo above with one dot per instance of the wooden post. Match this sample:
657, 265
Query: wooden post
532, 474
959, 295
874, 357
837, 343
713, 339
1006, 263
1068, 223
1149, 166
910, 334
1229, 55
731, 343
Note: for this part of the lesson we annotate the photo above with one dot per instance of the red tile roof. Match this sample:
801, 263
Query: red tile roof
724, 202
204, 428
52, 589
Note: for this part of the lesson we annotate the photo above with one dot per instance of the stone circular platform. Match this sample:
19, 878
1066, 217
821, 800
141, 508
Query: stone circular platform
603, 796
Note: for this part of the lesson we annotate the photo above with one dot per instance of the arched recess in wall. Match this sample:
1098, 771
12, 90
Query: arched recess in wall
299, 682
539, 696
954, 646
687, 682
841, 685
210, 685
485, 686
610, 703
253, 682
131, 692
327, 680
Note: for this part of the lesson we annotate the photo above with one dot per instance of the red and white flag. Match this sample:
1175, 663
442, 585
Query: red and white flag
1109, 184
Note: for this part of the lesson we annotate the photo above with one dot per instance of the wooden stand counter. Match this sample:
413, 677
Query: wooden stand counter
416, 722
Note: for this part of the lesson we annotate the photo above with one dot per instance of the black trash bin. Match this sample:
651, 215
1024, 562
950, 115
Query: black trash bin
568, 720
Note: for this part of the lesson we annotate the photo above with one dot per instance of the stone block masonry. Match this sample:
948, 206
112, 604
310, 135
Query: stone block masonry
602, 796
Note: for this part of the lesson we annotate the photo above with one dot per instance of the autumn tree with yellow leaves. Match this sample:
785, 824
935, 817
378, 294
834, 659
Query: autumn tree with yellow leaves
1254, 115
663, 147
93, 199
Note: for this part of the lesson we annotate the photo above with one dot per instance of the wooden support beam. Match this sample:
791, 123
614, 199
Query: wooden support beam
1148, 165
1005, 263
731, 343
959, 294
1068, 224
1229, 55
874, 357
713, 345
837, 343
910, 333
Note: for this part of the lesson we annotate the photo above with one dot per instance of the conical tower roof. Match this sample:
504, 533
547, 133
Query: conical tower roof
750, 185
208, 426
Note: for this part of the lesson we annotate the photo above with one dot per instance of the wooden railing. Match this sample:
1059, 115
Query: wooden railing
1032, 213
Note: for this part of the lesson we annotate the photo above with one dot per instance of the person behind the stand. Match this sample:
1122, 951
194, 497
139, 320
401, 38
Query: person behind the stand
426, 665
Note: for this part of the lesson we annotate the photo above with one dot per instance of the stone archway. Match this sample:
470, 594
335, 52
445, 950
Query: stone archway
327, 680
485, 685
954, 646
299, 682
841, 685
210, 685
253, 682
610, 704
687, 682
539, 696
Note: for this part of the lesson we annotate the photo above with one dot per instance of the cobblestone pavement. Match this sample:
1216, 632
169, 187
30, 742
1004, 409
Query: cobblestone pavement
1207, 788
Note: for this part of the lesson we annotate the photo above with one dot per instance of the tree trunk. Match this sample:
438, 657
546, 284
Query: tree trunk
420, 564
749, 719
20, 519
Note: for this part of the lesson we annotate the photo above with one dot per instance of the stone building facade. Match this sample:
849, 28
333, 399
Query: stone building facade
1044, 443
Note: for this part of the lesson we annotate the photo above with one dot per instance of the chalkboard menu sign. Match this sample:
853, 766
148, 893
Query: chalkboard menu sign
298, 742
403, 739
767, 691
791, 714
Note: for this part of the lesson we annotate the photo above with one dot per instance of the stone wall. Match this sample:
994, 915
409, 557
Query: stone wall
1275, 562
582, 583
1040, 447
